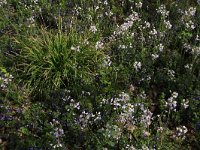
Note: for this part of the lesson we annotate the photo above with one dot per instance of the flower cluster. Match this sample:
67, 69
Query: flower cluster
137, 65
146, 118
138, 4
163, 11
187, 18
190, 12
107, 61
160, 47
160, 129
86, 118
154, 56
195, 50
167, 24
99, 45
185, 103
153, 32
130, 147
112, 131
188, 66
171, 74
58, 133
3, 2
118, 102
76, 49
171, 102
123, 28
127, 115
74, 105
190, 25
93, 29
31, 21
4, 80
111, 91
181, 132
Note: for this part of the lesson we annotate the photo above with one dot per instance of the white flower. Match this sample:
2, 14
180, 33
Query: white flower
174, 104
99, 45
146, 133
185, 103
162, 10
137, 65
124, 97
190, 25
191, 11
138, 5
105, 2
126, 25
160, 129
133, 17
144, 147
185, 130
93, 29
130, 147
153, 32
167, 24
3, 2
147, 24
31, 21
146, 118
97, 116
107, 61
122, 46
174, 94
160, 47
171, 103
181, 131
188, 66
197, 37
132, 88
196, 50
77, 49
4, 80
77, 105
132, 34
171, 73
57, 146
35, 1
154, 56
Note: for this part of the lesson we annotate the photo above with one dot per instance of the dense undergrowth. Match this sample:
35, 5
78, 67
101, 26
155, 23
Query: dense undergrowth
102, 74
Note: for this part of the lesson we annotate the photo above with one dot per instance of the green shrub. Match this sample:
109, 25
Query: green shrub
100, 74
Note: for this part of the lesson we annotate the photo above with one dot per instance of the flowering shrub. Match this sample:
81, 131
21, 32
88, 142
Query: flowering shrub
100, 74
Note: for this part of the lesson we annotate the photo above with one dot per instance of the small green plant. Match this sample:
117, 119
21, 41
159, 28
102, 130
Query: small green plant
50, 61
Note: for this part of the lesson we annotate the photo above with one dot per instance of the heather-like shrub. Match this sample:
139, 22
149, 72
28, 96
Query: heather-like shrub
100, 74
